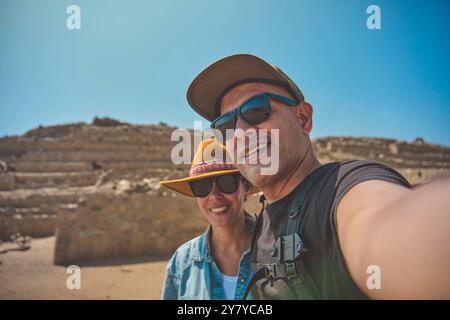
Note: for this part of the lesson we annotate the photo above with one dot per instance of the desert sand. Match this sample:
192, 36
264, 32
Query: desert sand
32, 275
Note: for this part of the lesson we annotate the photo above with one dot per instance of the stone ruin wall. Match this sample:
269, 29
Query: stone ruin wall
53, 166
125, 225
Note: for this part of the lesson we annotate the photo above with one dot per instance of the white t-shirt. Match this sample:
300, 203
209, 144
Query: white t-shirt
229, 286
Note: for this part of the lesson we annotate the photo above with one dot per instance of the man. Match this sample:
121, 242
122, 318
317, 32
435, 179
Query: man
350, 230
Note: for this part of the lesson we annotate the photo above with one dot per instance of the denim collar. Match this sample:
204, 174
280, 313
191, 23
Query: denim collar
202, 249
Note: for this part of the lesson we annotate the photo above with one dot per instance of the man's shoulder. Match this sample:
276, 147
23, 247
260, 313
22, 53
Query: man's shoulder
356, 171
367, 187
351, 165
332, 179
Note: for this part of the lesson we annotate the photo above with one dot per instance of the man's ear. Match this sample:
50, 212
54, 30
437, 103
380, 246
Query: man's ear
304, 112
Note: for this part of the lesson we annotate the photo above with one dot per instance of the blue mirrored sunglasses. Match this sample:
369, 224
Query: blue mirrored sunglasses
255, 110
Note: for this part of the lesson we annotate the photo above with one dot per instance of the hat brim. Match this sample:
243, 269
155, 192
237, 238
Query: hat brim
206, 89
182, 185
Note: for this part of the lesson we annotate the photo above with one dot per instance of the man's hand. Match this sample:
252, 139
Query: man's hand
406, 232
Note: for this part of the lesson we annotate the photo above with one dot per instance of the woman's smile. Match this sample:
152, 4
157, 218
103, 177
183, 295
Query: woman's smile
219, 209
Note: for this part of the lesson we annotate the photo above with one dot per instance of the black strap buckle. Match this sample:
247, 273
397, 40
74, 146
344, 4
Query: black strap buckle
288, 248
291, 272
271, 270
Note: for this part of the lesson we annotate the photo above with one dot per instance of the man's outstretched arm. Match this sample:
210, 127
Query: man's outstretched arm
405, 232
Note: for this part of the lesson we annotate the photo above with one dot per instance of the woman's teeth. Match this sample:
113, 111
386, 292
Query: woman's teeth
218, 209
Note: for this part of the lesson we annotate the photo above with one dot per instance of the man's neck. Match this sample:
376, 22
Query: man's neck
282, 188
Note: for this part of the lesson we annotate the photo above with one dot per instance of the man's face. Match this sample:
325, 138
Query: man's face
288, 120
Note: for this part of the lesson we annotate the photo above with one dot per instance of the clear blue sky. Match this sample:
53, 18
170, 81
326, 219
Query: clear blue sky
133, 60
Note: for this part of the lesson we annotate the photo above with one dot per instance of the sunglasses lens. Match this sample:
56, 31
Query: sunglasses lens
256, 110
228, 183
224, 122
201, 188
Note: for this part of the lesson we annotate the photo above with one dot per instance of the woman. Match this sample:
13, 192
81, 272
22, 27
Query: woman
216, 264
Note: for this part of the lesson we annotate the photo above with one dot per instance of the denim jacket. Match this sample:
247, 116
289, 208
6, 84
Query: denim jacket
192, 274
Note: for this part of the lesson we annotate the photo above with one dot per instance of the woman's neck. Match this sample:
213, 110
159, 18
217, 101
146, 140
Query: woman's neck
231, 240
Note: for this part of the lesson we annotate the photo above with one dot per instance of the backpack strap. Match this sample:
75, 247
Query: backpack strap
260, 273
289, 247
299, 200
258, 222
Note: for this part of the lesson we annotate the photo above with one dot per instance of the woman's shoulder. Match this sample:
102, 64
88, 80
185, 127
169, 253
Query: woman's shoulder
185, 254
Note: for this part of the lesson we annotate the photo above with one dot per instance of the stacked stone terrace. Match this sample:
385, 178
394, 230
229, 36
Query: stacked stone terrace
417, 161
53, 166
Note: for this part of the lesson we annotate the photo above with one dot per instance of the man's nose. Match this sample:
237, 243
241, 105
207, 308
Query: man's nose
242, 125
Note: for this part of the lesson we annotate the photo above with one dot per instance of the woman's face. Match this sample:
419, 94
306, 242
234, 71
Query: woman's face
222, 209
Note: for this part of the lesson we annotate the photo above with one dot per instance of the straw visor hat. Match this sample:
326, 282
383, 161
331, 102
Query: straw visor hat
206, 164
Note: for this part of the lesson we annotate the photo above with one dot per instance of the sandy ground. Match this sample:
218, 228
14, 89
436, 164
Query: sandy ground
32, 275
